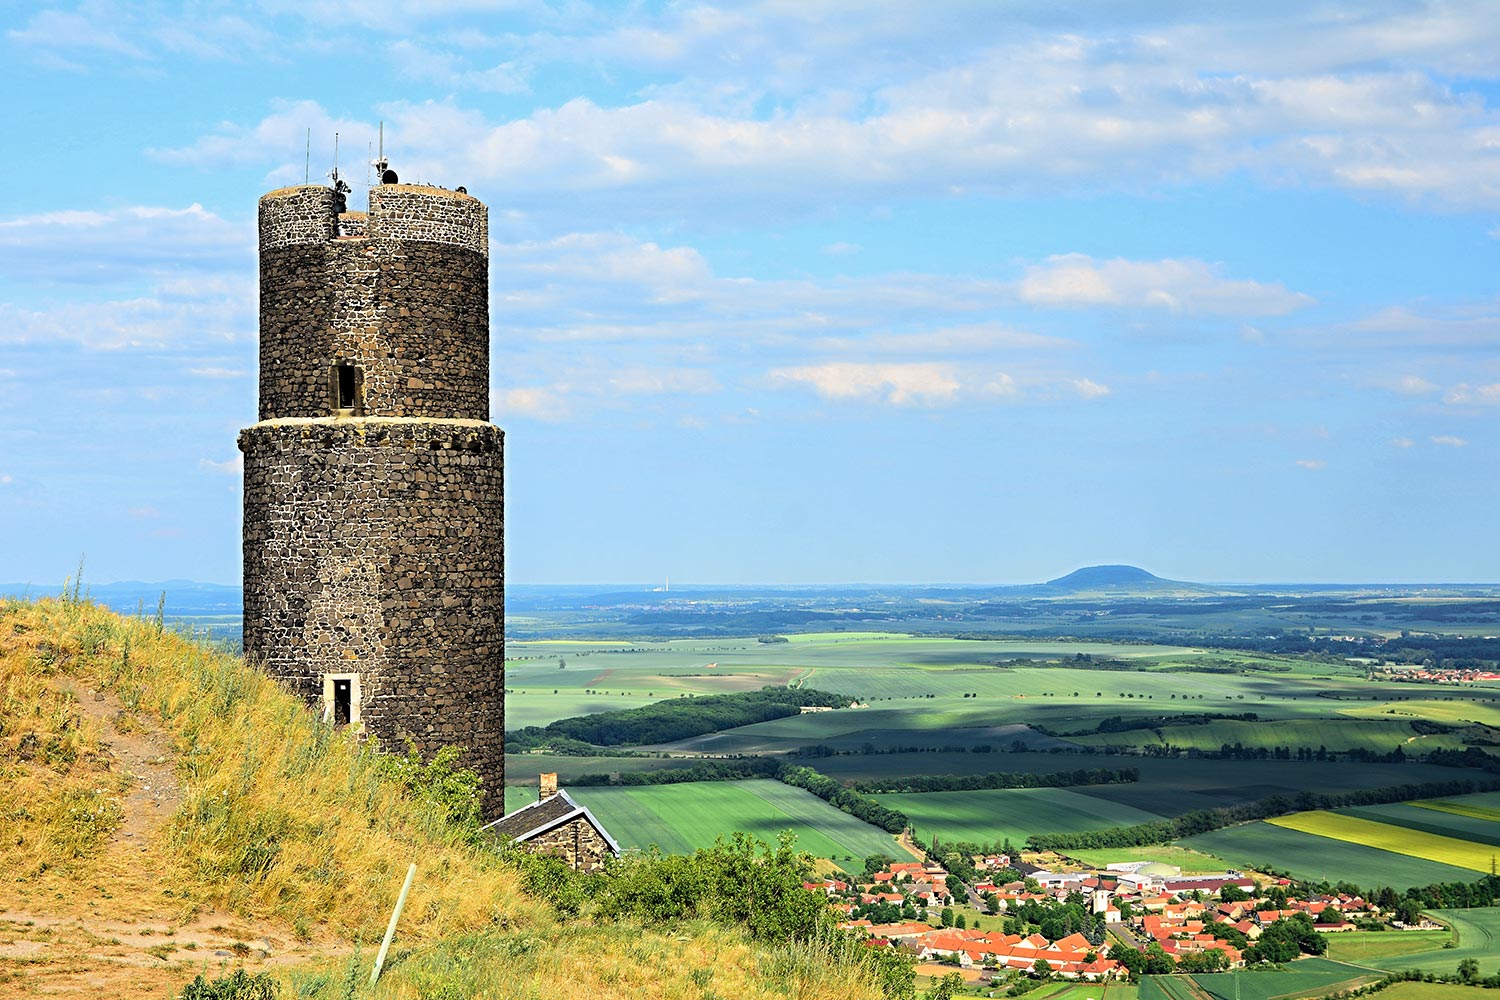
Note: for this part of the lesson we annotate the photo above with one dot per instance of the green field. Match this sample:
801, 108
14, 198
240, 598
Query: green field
1308, 977
1395, 839
517, 796
1087, 991
1372, 947
900, 672
1432, 991
1168, 786
1381, 734
1311, 857
1191, 862
1484, 806
995, 814
681, 818
1413, 816
1478, 933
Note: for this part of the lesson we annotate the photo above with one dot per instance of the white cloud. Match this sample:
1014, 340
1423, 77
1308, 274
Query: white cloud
1402, 442
1184, 285
6, 479
232, 467
77, 246
151, 320
84, 28
1314, 464
417, 62
1460, 325
969, 338
1415, 385
1089, 389
538, 402
897, 384
217, 373
1003, 384
1465, 394
768, 109
1448, 440
662, 381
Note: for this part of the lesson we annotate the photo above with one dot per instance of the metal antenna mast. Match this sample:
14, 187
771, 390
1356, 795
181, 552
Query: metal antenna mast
307, 159
384, 173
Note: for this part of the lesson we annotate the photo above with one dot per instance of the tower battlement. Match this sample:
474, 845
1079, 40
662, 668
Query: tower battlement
310, 214
374, 483
384, 313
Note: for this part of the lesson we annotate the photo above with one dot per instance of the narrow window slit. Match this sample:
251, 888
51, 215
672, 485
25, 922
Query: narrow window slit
346, 378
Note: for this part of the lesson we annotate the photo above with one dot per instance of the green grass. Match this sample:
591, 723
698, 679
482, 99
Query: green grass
1458, 710
681, 818
1478, 933
994, 814
1381, 734
1311, 857
1433, 991
1370, 947
517, 796
1305, 977
1087, 991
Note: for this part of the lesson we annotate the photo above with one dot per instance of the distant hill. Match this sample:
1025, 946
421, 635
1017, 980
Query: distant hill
1103, 577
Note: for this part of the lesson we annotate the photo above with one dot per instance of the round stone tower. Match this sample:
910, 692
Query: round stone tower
374, 496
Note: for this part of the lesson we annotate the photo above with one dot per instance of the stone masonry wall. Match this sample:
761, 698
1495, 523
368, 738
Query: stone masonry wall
376, 546
576, 842
294, 216
403, 296
431, 215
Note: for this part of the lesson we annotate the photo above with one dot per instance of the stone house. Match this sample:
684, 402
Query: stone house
555, 824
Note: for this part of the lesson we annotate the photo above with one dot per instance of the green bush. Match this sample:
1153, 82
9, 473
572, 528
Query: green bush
238, 985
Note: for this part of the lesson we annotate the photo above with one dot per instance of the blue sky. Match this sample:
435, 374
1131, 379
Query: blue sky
799, 291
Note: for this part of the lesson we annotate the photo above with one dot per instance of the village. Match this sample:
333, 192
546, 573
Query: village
1021, 924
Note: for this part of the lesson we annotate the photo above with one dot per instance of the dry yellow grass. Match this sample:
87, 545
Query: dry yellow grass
283, 829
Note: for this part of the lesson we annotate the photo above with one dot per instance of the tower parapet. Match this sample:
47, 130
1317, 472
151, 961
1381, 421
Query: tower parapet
374, 495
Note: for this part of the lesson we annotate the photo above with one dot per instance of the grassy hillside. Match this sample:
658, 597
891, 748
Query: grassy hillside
169, 810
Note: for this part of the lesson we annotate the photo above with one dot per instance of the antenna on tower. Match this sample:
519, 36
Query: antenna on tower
307, 159
340, 188
381, 164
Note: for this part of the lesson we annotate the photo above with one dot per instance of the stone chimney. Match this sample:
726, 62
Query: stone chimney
547, 786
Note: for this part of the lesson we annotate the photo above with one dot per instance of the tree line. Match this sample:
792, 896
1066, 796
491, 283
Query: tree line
678, 718
998, 779
846, 799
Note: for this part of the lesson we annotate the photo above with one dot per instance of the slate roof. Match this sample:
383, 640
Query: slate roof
539, 817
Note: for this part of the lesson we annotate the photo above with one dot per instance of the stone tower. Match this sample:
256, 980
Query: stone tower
374, 496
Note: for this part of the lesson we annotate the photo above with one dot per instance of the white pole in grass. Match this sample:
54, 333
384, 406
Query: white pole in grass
390, 929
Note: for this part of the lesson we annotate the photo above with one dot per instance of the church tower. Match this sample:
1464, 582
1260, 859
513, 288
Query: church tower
374, 496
